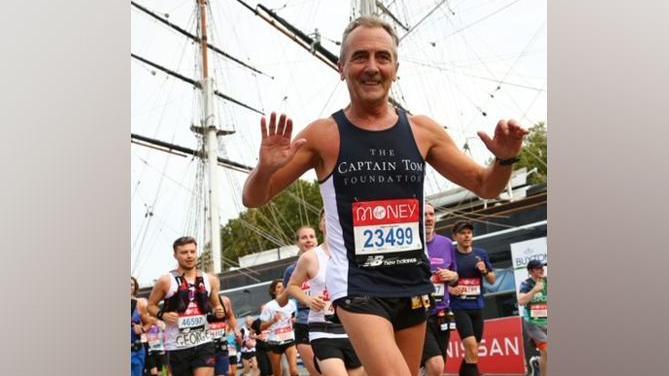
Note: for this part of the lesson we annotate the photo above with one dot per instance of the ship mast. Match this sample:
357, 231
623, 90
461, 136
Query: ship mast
367, 8
210, 138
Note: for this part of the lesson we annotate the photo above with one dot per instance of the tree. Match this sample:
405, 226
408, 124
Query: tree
271, 226
535, 154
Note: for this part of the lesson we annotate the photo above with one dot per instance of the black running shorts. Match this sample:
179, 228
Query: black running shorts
248, 355
340, 348
401, 312
469, 323
184, 362
301, 333
280, 348
436, 338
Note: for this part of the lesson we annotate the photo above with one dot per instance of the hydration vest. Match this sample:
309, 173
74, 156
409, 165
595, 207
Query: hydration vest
180, 300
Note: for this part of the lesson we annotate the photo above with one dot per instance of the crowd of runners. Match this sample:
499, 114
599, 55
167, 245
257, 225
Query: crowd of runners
382, 293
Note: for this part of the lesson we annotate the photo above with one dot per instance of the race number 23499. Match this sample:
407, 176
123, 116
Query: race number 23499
386, 226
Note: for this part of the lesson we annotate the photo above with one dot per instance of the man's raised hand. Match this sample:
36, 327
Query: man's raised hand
276, 148
507, 141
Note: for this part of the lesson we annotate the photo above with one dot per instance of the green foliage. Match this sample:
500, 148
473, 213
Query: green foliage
297, 206
535, 154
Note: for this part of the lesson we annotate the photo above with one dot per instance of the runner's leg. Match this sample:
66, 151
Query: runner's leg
410, 342
307, 355
291, 356
373, 338
543, 363
332, 367
275, 359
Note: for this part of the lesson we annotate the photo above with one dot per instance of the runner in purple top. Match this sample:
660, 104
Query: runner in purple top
444, 271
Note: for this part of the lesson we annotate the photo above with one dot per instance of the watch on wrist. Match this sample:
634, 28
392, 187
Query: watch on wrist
507, 162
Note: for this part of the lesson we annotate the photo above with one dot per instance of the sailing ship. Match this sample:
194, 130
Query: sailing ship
204, 72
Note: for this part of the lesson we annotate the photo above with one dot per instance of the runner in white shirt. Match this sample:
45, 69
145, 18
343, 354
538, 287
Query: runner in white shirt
279, 321
333, 352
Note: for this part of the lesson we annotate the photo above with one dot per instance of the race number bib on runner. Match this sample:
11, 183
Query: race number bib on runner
284, 334
217, 329
386, 226
438, 289
539, 311
472, 286
187, 323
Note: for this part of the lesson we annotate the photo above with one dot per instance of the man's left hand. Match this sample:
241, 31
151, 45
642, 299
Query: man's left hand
507, 141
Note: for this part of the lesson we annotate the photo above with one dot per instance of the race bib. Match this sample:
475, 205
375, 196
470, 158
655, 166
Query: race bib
472, 286
284, 334
187, 323
217, 329
386, 226
438, 290
328, 310
539, 311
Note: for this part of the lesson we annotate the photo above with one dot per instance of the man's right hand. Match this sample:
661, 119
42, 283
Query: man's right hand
539, 286
316, 303
276, 149
457, 290
446, 275
171, 318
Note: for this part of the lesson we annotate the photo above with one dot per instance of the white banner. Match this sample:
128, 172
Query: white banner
521, 254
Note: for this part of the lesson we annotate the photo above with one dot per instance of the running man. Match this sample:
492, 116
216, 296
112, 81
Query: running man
218, 329
156, 355
139, 323
306, 240
279, 320
233, 350
533, 295
189, 296
334, 353
372, 189
262, 348
467, 297
249, 361
442, 265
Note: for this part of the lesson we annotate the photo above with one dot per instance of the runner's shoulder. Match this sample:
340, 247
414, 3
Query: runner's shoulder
319, 127
480, 252
526, 285
424, 122
165, 280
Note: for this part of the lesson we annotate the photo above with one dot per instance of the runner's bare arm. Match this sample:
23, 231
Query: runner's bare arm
300, 275
266, 324
158, 294
147, 319
229, 312
281, 161
442, 153
213, 297
524, 298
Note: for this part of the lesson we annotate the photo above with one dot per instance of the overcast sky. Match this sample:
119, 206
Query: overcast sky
451, 66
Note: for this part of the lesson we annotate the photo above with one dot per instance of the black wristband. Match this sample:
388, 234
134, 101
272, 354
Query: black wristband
507, 162
160, 315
